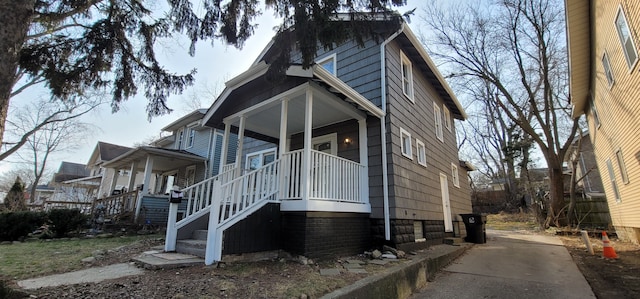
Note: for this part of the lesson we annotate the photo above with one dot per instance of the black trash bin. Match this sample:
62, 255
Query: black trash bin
474, 223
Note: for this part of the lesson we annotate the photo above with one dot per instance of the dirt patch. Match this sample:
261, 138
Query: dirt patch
609, 278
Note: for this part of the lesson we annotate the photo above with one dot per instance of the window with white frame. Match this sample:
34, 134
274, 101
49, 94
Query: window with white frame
607, 68
447, 117
407, 76
454, 175
438, 121
328, 63
190, 176
180, 136
612, 179
191, 138
594, 113
622, 167
405, 143
421, 152
628, 46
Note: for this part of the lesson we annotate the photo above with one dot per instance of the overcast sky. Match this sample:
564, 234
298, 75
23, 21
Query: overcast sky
215, 65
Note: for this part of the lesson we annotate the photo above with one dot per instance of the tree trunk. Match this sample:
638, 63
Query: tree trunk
573, 219
556, 194
15, 17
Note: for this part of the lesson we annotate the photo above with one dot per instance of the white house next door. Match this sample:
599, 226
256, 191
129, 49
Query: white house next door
446, 204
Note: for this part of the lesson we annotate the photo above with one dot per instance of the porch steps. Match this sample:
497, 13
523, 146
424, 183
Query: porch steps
197, 245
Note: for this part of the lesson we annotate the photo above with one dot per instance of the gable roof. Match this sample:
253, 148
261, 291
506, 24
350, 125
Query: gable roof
69, 171
416, 52
192, 117
106, 152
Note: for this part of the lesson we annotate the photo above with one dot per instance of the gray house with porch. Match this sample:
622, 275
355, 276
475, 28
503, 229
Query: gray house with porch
357, 151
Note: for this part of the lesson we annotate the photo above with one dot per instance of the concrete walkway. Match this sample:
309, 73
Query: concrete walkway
95, 274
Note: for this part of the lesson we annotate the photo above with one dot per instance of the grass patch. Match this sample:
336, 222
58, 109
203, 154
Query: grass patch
37, 258
511, 221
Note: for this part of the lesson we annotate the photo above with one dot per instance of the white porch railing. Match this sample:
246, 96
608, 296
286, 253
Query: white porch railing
331, 178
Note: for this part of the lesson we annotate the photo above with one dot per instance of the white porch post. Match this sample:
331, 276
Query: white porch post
364, 160
240, 145
306, 157
114, 180
132, 176
225, 146
284, 111
172, 233
148, 168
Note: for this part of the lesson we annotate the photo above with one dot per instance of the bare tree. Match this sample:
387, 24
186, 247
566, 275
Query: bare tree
29, 119
54, 136
517, 47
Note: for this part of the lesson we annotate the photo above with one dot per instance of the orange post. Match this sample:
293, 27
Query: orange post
607, 249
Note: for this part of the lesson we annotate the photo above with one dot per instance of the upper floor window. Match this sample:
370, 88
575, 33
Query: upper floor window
438, 121
622, 167
405, 144
607, 68
594, 113
454, 175
407, 76
447, 117
628, 46
614, 184
192, 137
328, 63
421, 153
180, 135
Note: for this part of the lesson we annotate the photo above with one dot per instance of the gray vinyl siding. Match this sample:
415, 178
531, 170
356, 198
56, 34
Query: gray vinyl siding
414, 189
200, 142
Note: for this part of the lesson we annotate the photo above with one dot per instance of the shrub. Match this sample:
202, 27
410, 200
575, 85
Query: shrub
63, 221
17, 225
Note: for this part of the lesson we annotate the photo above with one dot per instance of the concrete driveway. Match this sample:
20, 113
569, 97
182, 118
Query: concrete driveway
515, 264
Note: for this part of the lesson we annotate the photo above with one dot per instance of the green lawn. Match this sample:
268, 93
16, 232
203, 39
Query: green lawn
37, 258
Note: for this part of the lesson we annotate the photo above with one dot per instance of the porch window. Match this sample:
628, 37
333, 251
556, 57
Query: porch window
614, 184
190, 176
168, 180
328, 63
628, 46
438, 121
405, 143
258, 159
607, 68
447, 118
454, 175
421, 152
622, 167
407, 77
192, 137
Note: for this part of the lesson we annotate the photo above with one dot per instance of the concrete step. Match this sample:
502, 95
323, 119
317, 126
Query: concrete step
153, 260
199, 234
192, 247
453, 241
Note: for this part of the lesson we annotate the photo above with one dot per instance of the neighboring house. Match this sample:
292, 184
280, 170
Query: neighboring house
361, 150
43, 193
603, 59
188, 155
109, 179
586, 167
73, 186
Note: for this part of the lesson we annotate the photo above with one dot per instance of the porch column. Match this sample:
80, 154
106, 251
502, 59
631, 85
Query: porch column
225, 147
240, 146
364, 160
132, 176
284, 112
306, 157
103, 179
114, 180
148, 168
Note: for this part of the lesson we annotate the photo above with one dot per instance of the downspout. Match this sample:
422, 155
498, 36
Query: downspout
383, 134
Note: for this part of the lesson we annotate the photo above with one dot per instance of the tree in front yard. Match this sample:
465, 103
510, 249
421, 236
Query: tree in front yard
14, 201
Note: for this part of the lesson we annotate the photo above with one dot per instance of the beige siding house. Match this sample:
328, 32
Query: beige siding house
603, 41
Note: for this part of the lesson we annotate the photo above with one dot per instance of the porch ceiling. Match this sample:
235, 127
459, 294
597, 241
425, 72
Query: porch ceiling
327, 109
163, 159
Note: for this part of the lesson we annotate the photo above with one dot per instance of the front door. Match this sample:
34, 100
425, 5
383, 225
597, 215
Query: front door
446, 204
258, 159
326, 144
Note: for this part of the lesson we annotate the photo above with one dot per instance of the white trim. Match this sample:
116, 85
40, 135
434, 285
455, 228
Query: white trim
608, 72
421, 157
630, 64
345, 89
405, 61
407, 152
326, 59
191, 138
622, 167
455, 175
437, 117
260, 153
312, 205
446, 114
446, 203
